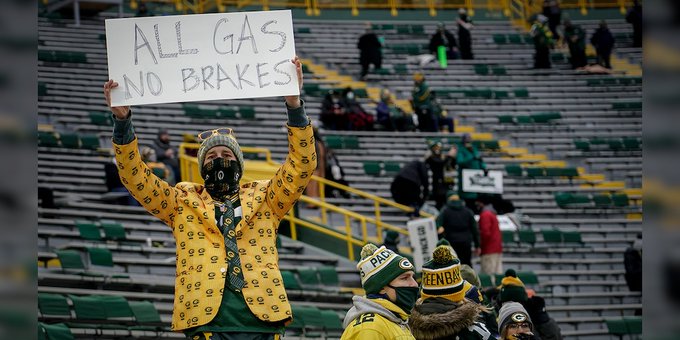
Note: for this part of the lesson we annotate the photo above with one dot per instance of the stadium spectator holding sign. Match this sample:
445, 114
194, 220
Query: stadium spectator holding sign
228, 285
391, 293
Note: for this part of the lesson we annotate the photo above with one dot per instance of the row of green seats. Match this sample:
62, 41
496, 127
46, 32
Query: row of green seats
614, 81
68, 140
400, 69
42, 89
102, 311
485, 69
303, 30
377, 168
410, 49
315, 278
534, 172
527, 277
512, 38
535, 118
341, 142
613, 144
624, 326
487, 93
62, 56
558, 236
410, 29
484, 145
57, 331
72, 260
92, 231
602, 200
242, 112
627, 105
312, 322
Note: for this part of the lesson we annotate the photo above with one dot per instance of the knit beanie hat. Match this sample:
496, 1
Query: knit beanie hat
215, 140
379, 266
469, 275
512, 312
418, 76
441, 276
391, 237
512, 288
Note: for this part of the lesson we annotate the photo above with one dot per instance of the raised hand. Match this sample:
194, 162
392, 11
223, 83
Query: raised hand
294, 101
121, 112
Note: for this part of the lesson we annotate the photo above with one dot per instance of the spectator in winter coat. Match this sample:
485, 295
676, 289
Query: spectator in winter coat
450, 307
391, 292
468, 157
634, 17
370, 51
603, 41
575, 36
491, 253
166, 153
632, 260
464, 36
543, 41
457, 225
437, 162
410, 187
514, 323
443, 37
390, 116
546, 327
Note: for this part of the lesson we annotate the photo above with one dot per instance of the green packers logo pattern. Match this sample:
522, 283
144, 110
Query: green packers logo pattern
202, 265
518, 317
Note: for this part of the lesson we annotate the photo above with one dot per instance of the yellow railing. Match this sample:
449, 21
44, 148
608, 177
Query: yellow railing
265, 169
314, 7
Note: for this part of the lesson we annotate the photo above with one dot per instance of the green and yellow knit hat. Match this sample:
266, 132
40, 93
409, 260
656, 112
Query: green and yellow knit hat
512, 288
379, 266
441, 276
220, 139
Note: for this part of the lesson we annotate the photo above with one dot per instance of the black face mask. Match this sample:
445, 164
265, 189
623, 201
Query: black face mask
221, 178
406, 297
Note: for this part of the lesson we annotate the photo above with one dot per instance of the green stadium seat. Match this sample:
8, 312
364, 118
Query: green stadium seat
360, 92
485, 280
115, 306
101, 119
70, 259
546, 117
313, 90
70, 140
303, 30
58, 331
506, 119
334, 142
602, 200
570, 172
400, 69
572, 237
308, 278
350, 142
616, 326
417, 29
582, 145
533, 172
247, 112
53, 305
481, 69
331, 323
47, 138
566, 199
557, 57
513, 170
508, 236
631, 144
328, 276
514, 38
498, 278
403, 29
383, 71
527, 236
500, 39
552, 235
228, 112
88, 230
620, 200
521, 93
90, 142
372, 168
499, 70
498, 94
100, 257
42, 89
528, 278
88, 307
594, 82
521, 119
290, 281
615, 144
144, 312
553, 172
113, 231
633, 324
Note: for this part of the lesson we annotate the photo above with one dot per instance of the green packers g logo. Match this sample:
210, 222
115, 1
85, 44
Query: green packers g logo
518, 317
405, 264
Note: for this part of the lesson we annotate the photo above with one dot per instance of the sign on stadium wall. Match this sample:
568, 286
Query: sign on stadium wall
423, 237
196, 57
476, 181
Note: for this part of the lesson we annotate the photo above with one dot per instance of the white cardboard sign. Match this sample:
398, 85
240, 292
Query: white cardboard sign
475, 181
182, 58
504, 222
423, 236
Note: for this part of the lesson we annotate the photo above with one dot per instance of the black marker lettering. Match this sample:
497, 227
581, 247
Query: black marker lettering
185, 77
230, 37
242, 80
179, 41
279, 33
206, 78
220, 79
129, 83
160, 49
276, 69
261, 75
250, 36
139, 33
159, 85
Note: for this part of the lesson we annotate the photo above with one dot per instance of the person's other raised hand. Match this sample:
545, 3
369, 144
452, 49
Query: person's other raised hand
294, 101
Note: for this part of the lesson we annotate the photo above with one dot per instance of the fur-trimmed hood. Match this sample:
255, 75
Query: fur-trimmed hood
436, 318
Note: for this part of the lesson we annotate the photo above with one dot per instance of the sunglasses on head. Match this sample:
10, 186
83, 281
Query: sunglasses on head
209, 133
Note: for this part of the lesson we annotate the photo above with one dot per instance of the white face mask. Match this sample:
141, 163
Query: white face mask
350, 95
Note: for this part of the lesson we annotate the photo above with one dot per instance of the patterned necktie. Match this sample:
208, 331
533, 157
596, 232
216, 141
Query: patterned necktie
225, 220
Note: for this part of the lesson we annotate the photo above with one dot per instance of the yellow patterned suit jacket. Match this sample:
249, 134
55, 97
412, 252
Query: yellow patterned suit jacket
201, 260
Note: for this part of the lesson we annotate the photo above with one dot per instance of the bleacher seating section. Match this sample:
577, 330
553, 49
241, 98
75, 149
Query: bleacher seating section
108, 270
